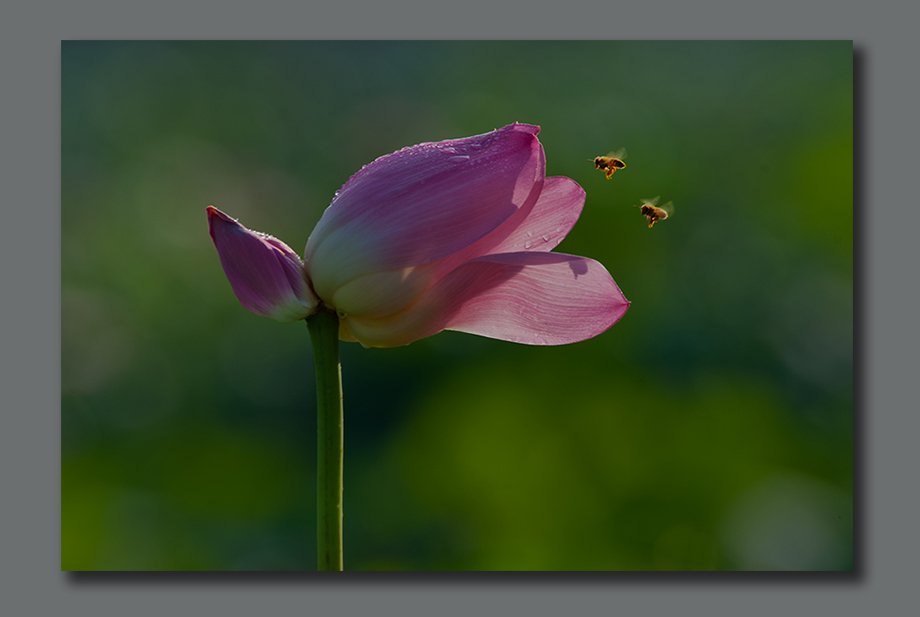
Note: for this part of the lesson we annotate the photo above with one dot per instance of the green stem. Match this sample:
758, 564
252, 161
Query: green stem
324, 334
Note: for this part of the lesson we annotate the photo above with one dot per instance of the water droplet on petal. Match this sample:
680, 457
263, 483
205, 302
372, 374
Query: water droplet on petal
545, 238
528, 244
529, 235
459, 159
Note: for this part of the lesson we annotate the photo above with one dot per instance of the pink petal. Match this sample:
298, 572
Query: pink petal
540, 228
552, 218
423, 203
267, 276
536, 298
554, 299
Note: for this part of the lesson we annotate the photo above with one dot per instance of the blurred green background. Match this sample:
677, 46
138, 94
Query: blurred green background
710, 429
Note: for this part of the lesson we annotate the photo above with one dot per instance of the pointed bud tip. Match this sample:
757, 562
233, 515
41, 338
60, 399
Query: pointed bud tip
225, 223
214, 213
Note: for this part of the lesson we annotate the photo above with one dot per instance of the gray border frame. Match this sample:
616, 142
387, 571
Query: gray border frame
886, 133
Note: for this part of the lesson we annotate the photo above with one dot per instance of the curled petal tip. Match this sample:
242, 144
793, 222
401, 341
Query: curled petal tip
267, 276
533, 129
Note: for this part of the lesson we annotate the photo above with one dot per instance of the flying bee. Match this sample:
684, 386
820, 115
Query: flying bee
612, 162
654, 213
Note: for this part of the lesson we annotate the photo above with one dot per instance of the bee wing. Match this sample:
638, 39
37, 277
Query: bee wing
669, 208
617, 154
652, 201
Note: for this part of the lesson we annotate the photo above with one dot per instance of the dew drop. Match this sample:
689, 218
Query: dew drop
529, 235
449, 150
459, 159
545, 238
528, 244
559, 229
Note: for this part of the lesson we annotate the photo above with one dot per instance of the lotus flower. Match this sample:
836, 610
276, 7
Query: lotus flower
454, 235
